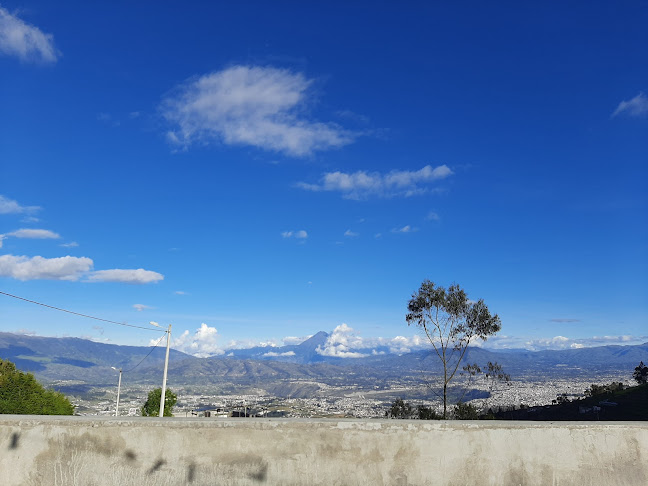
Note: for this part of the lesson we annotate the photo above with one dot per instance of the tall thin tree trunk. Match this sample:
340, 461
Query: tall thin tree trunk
445, 400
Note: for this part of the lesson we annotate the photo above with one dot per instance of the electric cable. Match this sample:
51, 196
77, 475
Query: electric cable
149, 353
82, 315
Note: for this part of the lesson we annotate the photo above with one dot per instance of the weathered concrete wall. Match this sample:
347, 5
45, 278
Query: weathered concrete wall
36, 450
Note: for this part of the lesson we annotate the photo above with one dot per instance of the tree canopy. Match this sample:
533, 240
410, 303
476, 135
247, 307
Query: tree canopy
21, 393
640, 374
151, 407
403, 410
451, 322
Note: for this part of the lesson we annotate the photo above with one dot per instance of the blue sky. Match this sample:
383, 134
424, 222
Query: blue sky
255, 172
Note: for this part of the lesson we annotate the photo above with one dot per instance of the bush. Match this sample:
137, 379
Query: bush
595, 390
21, 393
400, 410
426, 413
465, 411
403, 410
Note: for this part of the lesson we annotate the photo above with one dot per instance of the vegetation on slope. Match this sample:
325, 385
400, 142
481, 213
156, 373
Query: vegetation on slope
20, 393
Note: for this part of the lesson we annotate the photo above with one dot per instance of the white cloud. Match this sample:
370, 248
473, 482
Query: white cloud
300, 235
26, 42
202, 343
343, 342
559, 342
180, 292
405, 229
402, 344
636, 107
131, 276
362, 185
250, 343
247, 105
351, 234
40, 234
39, 268
432, 216
141, 307
294, 340
9, 206
340, 343
71, 244
69, 268
273, 354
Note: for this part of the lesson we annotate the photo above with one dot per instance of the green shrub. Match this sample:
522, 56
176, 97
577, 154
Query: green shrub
21, 393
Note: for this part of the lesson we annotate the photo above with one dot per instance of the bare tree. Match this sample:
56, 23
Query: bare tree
451, 322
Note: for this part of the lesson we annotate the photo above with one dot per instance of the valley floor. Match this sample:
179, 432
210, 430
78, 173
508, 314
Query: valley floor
330, 401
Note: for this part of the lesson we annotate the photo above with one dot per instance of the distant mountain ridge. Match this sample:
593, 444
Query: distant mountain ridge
52, 358
303, 353
83, 360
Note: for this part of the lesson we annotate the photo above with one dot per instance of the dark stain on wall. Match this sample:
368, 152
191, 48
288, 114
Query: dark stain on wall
191, 472
262, 474
13, 444
158, 464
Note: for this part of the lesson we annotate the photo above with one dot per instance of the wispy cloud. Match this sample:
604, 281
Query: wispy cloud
636, 107
350, 115
37, 234
9, 206
272, 354
294, 340
39, 268
432, 216
24, 41
180, 292
249, 105
564, 320
131, 276
300, 234
351, 234
108, 119
405, 229
362, 184
558, 342
71, 244
562, 342
141, 307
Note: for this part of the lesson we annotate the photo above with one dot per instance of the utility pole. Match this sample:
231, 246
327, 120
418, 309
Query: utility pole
166, 367
118, 390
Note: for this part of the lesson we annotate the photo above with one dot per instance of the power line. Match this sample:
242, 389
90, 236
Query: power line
82, 315
149, 354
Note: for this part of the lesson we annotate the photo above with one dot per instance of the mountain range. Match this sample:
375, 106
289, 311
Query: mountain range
83, 361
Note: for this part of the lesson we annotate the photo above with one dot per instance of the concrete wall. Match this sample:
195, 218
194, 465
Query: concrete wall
36, 450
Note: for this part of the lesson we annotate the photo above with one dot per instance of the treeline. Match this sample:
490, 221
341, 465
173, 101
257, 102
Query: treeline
21, 393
